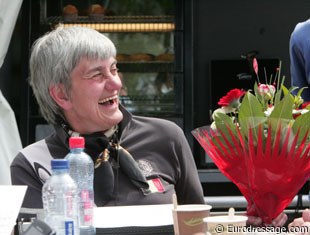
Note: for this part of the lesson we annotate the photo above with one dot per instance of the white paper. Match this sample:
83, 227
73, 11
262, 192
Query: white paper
11, 198
127, 216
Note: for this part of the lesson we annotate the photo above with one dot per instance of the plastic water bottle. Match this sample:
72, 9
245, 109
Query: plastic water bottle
81, 169
60, 200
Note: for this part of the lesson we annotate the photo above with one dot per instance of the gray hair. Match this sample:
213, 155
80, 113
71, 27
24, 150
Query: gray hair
55, 55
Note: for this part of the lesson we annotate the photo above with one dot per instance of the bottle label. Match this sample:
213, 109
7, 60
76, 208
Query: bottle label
86, 209
88, 213
69, 228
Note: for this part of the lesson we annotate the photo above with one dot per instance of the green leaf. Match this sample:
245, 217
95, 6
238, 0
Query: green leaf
278, 94
301, 90
283, 109
223, 123
281, 114
250, 114
258, 94
302, 123
293, 89
250, 107
285, 90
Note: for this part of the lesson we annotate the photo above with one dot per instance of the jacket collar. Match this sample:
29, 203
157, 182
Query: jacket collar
64, 131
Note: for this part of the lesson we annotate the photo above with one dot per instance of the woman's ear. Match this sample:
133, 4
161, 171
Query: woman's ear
60, 96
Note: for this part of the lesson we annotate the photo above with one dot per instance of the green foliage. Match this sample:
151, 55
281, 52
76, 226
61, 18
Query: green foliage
250, 115
224, 125
302, 124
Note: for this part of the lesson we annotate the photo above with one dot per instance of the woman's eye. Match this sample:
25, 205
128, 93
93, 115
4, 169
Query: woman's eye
114, 71
97, 75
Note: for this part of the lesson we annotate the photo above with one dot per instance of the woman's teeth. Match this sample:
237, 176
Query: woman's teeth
108, 100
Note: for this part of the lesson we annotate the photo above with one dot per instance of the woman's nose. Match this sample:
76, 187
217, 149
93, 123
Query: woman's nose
113, 83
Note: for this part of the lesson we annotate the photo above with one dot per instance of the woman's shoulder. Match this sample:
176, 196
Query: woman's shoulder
302, 28
157, 123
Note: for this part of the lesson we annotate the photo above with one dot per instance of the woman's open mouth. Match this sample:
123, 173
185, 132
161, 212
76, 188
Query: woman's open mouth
109, 101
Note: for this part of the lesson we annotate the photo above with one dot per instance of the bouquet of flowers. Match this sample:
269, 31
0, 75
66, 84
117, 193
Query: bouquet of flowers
260, 140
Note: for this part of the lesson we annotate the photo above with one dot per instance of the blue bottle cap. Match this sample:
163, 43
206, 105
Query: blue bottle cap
59, 164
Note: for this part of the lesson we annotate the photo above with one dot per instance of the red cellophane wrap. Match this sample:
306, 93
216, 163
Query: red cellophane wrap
269, 167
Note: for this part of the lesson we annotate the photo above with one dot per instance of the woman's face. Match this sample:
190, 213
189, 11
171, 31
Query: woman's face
93, 103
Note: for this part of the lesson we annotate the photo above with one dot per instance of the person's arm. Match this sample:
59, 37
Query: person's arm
299, 49
188, 188
297, 60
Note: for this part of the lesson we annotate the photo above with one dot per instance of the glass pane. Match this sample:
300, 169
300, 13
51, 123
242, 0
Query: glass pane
149, 43
148, 92
115, 7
